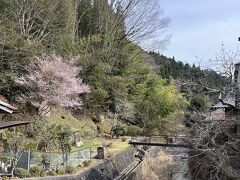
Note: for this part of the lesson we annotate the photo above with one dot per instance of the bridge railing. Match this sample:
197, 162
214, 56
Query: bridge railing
171, 141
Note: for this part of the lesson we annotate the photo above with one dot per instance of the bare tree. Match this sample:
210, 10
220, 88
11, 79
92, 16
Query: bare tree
225, 61
213, 149
140, 21
38, 19
143, 19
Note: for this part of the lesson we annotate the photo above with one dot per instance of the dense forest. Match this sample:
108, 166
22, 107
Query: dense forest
171, 68
200, 86
103, 41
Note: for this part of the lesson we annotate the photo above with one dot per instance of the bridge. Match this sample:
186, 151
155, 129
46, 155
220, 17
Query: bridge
164, 141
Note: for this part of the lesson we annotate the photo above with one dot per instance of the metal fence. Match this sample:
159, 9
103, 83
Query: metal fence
33, 158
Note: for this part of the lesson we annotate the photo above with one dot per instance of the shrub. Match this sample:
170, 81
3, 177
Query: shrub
43, 173
199, 102
34, 129
5, 178
52, 173
31, 145
104, 127
87, 163
118, 130
21, 173
60, 170
70, 169
35, 171
132, 130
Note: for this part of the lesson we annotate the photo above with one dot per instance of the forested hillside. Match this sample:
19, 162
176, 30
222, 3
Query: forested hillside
101, 38
200, 86
40, 40
171, 68
114, 75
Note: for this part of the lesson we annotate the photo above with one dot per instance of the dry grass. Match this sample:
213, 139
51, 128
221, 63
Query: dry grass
156, 168
117, 146
62, 116
111, 146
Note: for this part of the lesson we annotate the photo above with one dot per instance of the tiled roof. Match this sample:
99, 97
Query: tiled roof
228, 101
219, 105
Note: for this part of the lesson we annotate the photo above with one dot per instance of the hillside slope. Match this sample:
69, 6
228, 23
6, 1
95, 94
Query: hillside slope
192, 77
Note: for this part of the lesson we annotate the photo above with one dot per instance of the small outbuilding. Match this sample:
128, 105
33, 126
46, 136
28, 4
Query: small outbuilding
227, 111
7, 108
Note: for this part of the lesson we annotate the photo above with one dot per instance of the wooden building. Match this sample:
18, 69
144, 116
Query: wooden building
7, 108
227, 110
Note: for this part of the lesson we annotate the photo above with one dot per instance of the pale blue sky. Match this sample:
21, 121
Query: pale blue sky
198, 27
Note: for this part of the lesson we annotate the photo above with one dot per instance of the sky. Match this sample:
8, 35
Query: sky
199, 27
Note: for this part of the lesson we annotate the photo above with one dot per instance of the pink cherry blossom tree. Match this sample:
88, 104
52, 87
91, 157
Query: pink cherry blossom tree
53, 80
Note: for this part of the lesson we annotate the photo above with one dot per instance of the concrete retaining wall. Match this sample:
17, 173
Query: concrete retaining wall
137, 173
107, 170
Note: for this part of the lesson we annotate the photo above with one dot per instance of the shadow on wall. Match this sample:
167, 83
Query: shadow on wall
95, 174
105, 171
